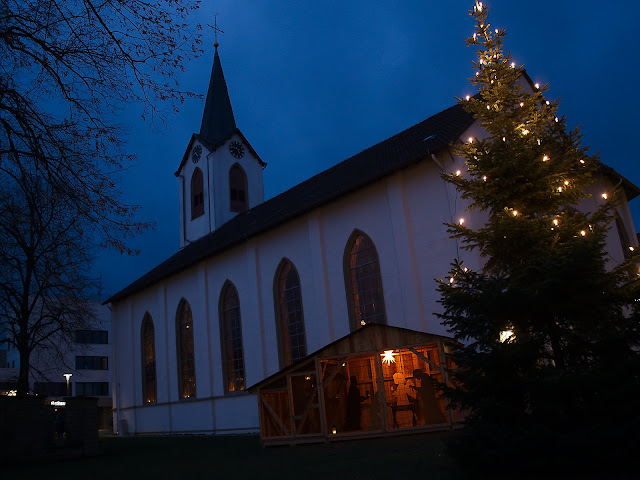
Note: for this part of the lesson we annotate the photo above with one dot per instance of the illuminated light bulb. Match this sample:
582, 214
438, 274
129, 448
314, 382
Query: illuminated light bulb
559, 189
604, 195
480, 8
496, 30
583, 233
470, 139
387, 356
515, 213
537, 86
474, 36
504, 139
513, 64
555, 221
451, 280
581, 161
525, 131
566, 182
481, 61
484, 178
492, 82
467, 98
539, 142
522, 104
458, 172
548, 102
545, 158
334, 430
506, 335
488, 107
465, 269
461, 221
477, 73
631, 248
556, 119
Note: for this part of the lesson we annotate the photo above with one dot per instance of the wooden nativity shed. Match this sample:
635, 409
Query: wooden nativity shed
376, 381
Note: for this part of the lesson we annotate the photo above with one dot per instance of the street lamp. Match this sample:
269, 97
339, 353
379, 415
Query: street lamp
67, 376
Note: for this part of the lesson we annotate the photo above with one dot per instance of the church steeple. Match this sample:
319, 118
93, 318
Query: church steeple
218, 122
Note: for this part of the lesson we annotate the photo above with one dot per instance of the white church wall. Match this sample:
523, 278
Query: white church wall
156, 419
403, 215
237, 414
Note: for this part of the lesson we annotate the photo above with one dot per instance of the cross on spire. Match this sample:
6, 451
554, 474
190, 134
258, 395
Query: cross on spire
216, 30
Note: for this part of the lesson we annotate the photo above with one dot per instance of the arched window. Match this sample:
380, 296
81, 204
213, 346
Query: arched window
289, 314
363, 282
623, 236
238, 195
231, 339
149, 383
197, 194
184, 350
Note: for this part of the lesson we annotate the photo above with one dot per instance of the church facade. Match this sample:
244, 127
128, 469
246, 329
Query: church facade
257, 286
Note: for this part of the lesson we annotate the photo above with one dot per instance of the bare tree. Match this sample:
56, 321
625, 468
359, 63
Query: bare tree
45, 286
68, 68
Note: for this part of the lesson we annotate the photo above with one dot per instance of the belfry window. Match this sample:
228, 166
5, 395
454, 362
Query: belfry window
623, 236
197, 194
238, 195
149, 382
184, 350
289, 314
231, 337
363, 282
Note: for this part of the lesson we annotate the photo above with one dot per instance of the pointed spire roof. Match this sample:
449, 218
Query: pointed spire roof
218, 122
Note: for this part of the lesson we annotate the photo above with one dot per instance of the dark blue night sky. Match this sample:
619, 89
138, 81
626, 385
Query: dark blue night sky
313, 83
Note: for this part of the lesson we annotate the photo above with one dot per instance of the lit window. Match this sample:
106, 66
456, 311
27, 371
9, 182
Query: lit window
363, 282
149, 382
289, 314
231, 337
184, 347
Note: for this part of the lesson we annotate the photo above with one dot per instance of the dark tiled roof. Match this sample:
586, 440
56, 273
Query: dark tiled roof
400, 151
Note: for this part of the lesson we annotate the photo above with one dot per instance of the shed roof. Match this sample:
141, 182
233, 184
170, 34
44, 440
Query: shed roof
372, 337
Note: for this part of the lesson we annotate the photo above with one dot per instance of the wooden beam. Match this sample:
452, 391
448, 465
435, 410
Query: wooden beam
422, 357
274, 415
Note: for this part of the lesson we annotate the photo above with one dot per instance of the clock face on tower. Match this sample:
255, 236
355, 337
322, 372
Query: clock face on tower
236, 149
196, 153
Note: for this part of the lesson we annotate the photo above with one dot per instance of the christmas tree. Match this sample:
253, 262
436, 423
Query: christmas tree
548, 366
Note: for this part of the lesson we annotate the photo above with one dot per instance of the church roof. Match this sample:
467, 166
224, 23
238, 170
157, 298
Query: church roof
402, 150
218, 123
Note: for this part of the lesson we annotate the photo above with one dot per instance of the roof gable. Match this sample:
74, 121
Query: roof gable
213, 147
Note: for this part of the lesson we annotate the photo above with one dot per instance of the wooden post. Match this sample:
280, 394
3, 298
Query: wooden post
381, 392
445, 378
323, 413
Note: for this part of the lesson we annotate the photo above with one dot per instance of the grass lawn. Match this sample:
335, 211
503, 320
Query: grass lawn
418, 456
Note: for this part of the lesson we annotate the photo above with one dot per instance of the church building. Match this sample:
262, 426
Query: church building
263, 296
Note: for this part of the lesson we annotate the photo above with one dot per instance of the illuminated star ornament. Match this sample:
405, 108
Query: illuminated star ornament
387, 356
